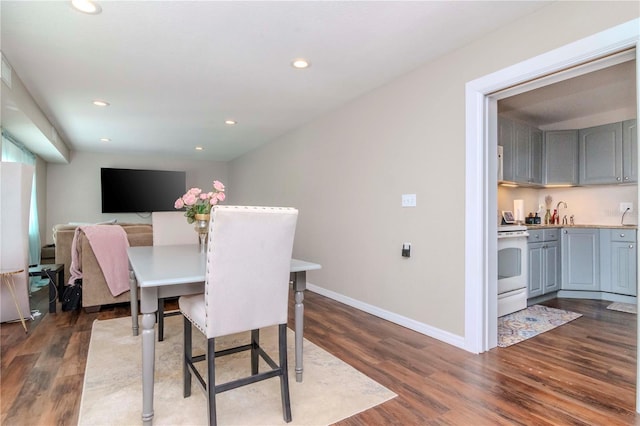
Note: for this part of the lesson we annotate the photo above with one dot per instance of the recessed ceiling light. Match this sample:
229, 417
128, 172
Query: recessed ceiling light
300, 63
230, 122
105, 140
199, 148
100, 102
86, 6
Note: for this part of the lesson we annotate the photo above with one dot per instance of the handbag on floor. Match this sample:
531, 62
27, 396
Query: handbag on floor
72, 296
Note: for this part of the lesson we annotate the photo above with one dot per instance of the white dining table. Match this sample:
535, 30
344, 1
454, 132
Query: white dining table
177, 270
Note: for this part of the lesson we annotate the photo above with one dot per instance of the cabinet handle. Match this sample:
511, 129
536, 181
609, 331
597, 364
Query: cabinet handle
618, 179
626, 178
565, 232
621, 235
630, 245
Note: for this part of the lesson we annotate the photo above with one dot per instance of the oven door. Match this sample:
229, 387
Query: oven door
512, 263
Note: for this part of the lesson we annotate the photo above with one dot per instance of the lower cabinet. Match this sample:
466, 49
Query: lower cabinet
587, 259
544, 262
618, 261
580, 259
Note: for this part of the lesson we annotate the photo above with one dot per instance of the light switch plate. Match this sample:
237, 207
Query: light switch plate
408, 200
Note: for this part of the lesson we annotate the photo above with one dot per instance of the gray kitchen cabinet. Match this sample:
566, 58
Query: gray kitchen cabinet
522, 151
528, 154
505, 139
560, 165
544, 262
618, 261
600, 154
630, 151
536, 151
580, 248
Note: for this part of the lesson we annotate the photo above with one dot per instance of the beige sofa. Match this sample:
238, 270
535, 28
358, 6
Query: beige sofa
95, 292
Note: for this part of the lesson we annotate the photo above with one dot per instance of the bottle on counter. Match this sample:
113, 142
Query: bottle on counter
554, 217
536, 219
547, 217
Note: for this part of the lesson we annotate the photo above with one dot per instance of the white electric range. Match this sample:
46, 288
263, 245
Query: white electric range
512, 268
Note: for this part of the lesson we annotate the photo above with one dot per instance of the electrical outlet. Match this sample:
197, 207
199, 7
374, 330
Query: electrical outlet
625, 206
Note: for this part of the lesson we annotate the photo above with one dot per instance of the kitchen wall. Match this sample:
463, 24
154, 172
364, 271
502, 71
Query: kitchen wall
591, 205
73, 191
346, 172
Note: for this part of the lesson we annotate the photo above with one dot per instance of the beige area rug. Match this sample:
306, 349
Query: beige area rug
623, 307
527, 323
112, 392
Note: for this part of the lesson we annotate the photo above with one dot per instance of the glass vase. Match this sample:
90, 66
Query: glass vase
202, 228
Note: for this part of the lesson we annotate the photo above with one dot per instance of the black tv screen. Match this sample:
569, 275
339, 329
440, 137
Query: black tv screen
137, 191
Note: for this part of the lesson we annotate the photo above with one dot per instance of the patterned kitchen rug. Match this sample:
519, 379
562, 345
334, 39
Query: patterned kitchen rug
623, 307
527, 323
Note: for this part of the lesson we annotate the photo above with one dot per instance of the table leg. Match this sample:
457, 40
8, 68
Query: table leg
60, 283
148, 366
299, 286
9, 281
133, 286
53, 289
149, 307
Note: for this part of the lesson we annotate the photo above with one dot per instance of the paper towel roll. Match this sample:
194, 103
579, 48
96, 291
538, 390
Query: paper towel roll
518, 210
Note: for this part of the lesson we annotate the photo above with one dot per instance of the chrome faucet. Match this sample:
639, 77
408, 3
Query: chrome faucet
558, 206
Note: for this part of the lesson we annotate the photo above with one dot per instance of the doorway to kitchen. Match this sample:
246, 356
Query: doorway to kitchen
481, 163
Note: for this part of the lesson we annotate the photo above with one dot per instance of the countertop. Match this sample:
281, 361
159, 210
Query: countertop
532, 227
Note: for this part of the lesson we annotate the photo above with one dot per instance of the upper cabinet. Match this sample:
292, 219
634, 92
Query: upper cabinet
522, 152
605, 154
601, 154
608, 153
560, 165
505, 139
630, 150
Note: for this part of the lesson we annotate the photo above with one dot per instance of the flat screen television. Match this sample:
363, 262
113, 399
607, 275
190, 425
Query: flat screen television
138, 191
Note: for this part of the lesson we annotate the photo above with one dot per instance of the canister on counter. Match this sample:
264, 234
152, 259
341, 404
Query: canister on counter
530, 220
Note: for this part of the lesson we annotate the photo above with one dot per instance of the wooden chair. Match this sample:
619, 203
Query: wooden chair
246, 288
170, 228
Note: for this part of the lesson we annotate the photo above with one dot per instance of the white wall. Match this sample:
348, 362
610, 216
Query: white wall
73, 191
346, 173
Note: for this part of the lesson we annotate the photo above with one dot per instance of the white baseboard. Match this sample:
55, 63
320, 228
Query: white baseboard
436, 333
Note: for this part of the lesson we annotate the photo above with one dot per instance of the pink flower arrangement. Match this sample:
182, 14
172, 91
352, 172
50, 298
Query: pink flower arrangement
198, 202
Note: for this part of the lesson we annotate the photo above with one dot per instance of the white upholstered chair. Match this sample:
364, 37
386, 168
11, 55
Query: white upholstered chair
170, 228
246, 288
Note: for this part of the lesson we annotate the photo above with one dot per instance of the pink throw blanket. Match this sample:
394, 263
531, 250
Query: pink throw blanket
109, 244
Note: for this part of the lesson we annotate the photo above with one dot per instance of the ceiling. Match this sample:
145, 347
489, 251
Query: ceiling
174, 71
588, 95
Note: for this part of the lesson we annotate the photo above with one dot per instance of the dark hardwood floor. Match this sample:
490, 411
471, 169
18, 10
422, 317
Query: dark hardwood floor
581, 373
